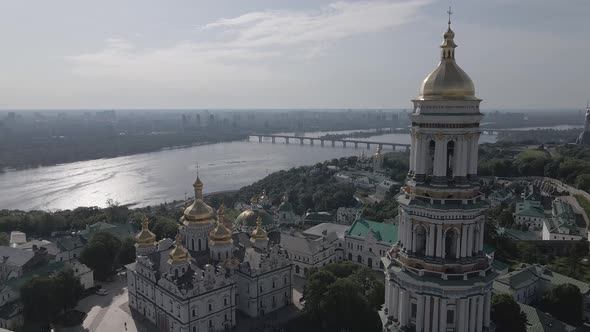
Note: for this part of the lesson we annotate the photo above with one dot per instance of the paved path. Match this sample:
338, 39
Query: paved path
108, 313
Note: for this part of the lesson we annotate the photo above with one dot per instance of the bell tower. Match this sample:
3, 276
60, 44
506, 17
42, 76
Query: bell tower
437, 276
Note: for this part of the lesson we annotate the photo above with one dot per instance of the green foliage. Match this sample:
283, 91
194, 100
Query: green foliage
343, 296
43, 298
386, 209
583, 203
307, 188
4, 239
565, 303
506, 314
126, 252
100, 254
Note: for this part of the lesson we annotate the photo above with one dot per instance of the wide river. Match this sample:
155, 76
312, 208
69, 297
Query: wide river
152, 178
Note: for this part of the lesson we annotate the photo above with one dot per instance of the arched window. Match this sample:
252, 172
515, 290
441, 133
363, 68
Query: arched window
420, 240
350, 256
451, 243
297, 269
370, 262
431, 149
450, 152
192, 244
359, 259
199, 244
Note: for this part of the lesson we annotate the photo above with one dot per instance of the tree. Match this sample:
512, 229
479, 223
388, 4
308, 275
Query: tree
565, 303
100, 254
4, 239
68, 289
126, 252
583, 182
506, 314
40, 303
314, 289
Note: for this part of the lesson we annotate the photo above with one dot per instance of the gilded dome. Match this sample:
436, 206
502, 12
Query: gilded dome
178, 255
447, 81
145, 237
248, 218
220, 234
199, 212
259, 233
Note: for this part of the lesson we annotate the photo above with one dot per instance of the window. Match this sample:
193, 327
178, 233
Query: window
194, 312
210, 323
273, 284
225, 301
450, 316
210, 307
414, 310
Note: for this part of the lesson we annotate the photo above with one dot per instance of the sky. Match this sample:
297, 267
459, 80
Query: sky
149, 54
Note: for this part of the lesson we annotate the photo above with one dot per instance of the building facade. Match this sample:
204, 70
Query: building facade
438, 277
197, 282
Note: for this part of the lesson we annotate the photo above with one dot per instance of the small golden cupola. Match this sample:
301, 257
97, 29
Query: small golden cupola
145, 240
179, 255
259, 236
220, 234
198, 212
378, 154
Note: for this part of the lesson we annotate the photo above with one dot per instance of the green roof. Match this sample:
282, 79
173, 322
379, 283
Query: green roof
17, 283
500, 266
381, 231
530, 209
285, 207
488, 249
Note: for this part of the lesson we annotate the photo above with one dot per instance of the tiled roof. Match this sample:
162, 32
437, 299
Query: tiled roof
17, 283
51, 247
69, 243
529, 209
519, 278
559, 279
538, 321
318, 230
16, 256
121, 231
381, 231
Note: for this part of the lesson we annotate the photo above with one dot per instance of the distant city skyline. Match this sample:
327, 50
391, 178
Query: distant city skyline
264, 54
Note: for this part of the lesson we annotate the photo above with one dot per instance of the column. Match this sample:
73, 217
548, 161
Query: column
481, 235
472, 314
388, 293
403, 307
395, 303
413, 240
443, 315
419, 155
432, 238
438, 240
464, 237
479, 320
413, 152
427, 318
457, 157
420, 313
457, 246
435, 312
486, 309
459, 313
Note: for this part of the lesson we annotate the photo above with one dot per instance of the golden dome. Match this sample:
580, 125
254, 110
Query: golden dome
447, 81
145, 237
378, 154
220, 234
178, 255
259, 233
199, 212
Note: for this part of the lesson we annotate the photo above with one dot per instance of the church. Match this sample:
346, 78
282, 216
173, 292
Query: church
437, 277
198, 281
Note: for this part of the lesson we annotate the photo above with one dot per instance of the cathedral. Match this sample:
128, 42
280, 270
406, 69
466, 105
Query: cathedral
198, 281
437, 275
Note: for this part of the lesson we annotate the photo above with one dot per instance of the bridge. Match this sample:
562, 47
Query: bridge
484, 131
287, 139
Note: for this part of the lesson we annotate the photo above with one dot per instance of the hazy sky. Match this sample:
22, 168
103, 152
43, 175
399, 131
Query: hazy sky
286, 53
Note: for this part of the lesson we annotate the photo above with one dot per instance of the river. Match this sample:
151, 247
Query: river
152, 178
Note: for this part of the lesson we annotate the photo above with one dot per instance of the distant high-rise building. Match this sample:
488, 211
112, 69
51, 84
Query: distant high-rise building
437, 275
584, 137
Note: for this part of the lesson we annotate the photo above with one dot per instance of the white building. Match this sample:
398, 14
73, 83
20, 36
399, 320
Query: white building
383, 188
17, 238
198, 282
285, 214
562, 224
529, 213
367, 241
438, 277
316, 247
500, 197
347, 216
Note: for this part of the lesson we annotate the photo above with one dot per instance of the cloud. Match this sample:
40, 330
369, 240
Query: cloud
242, 46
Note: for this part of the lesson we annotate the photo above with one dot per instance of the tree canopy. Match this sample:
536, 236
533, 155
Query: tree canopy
104, 251
565, 303
506, 314
343, 296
